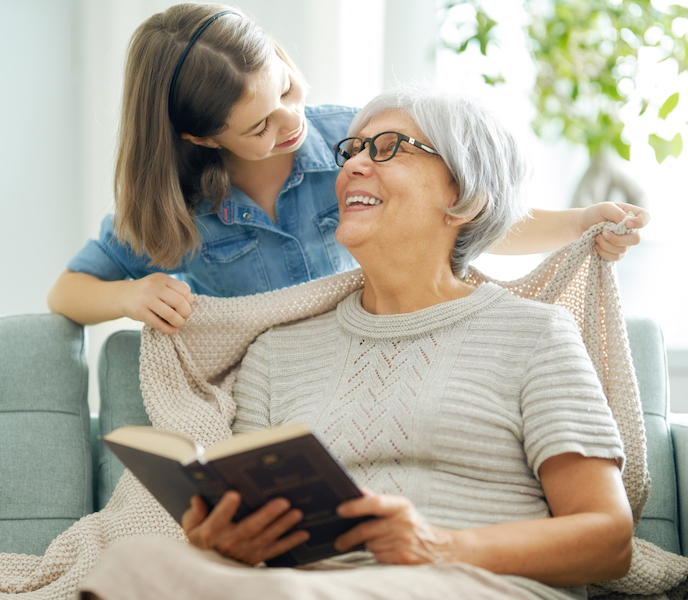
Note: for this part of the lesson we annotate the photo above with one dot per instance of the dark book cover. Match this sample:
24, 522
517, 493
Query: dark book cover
298, 468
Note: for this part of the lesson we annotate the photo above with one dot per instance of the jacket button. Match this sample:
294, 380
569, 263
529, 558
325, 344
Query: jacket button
247, 216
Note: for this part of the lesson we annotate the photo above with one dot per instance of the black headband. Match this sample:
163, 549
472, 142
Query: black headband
182, 58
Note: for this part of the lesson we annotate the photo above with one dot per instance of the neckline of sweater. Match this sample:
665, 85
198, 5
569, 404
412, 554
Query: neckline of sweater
354, 319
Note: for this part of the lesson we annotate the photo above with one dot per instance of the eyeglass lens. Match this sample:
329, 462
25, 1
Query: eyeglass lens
384, 147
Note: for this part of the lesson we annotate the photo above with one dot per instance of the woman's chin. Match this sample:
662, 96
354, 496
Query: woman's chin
351, 236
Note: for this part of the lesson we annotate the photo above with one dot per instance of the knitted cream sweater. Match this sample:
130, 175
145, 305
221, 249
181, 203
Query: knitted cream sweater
455, 406
187, 380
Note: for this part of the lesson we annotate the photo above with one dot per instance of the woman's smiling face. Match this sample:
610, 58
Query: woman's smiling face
269, 119
394, 202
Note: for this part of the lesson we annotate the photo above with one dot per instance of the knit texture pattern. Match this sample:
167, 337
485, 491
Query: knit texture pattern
455, 406
187, 382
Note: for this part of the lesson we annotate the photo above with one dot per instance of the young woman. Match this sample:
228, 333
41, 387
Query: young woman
225, 179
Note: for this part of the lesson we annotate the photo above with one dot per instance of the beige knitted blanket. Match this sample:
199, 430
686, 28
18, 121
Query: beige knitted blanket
187, 382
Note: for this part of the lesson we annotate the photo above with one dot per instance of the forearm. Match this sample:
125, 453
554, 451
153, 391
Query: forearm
541, 231
587, 539
563, 551
86, 299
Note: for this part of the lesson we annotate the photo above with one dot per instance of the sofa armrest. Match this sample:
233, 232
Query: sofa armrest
679, 435
660, 521
45, 466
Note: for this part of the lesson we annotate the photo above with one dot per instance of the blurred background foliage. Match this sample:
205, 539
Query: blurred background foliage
586, 56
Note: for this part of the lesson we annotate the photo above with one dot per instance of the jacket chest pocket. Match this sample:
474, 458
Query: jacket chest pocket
234, 266
327, 222
230, 248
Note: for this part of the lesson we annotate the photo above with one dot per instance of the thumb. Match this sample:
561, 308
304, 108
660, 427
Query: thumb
195, 514
609, 211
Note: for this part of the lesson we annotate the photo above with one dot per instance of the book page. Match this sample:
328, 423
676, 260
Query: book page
256, 439
170, 444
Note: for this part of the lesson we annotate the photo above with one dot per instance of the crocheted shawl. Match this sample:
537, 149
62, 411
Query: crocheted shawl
187, 382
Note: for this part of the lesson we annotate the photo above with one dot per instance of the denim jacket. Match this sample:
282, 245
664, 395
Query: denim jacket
243, 251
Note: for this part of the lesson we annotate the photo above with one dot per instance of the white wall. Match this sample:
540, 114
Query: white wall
40, 217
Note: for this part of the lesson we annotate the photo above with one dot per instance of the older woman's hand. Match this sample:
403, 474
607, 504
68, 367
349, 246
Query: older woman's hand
399, 535
609, 245
252, 540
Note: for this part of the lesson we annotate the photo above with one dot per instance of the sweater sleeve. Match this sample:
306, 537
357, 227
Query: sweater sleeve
563, 406
252, 388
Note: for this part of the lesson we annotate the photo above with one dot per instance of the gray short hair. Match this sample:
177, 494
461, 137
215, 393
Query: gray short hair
479, 152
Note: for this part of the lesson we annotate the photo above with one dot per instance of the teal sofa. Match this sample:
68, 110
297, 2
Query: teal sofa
54, 470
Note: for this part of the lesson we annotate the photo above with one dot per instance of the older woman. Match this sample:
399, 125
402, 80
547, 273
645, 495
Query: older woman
473, 419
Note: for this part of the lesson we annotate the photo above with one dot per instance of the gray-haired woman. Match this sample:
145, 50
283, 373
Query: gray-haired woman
474, 418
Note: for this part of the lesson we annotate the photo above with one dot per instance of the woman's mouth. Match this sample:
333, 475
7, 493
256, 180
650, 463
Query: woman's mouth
362, 200
295, 138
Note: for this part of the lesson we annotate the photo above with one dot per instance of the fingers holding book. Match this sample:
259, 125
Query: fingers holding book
256, 538
398, 534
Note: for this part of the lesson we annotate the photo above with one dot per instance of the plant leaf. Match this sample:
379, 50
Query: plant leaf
664, 148
677, 146
624, 150
493, 80
676, 10
669, 105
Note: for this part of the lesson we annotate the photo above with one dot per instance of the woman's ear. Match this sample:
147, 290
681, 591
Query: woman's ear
456, 221
475, 209
200, 141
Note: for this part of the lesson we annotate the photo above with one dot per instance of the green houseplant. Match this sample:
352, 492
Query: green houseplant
585, 54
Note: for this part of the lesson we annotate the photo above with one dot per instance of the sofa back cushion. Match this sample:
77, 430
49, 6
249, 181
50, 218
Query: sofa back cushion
121, 403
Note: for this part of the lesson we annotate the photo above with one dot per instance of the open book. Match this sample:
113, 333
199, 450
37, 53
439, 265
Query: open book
288, 462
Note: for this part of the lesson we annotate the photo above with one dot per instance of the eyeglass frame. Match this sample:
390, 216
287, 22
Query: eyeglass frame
370, 141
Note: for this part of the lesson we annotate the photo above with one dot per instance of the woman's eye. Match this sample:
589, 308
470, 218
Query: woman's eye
352, 148
386, 150
263, 131
289, 91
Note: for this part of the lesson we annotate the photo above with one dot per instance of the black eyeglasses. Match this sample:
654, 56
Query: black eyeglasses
381, 147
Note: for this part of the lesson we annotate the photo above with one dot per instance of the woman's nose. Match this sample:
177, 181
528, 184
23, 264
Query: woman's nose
360, 165
292, 119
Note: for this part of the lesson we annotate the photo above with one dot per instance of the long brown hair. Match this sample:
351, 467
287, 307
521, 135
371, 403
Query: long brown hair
160, 178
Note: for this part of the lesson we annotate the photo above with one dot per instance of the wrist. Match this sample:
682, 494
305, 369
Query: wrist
464, 546
578, 224
120, 298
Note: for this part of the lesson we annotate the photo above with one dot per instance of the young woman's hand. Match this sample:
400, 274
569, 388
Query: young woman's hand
252, 540
609, 245
399, 535
158, 300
